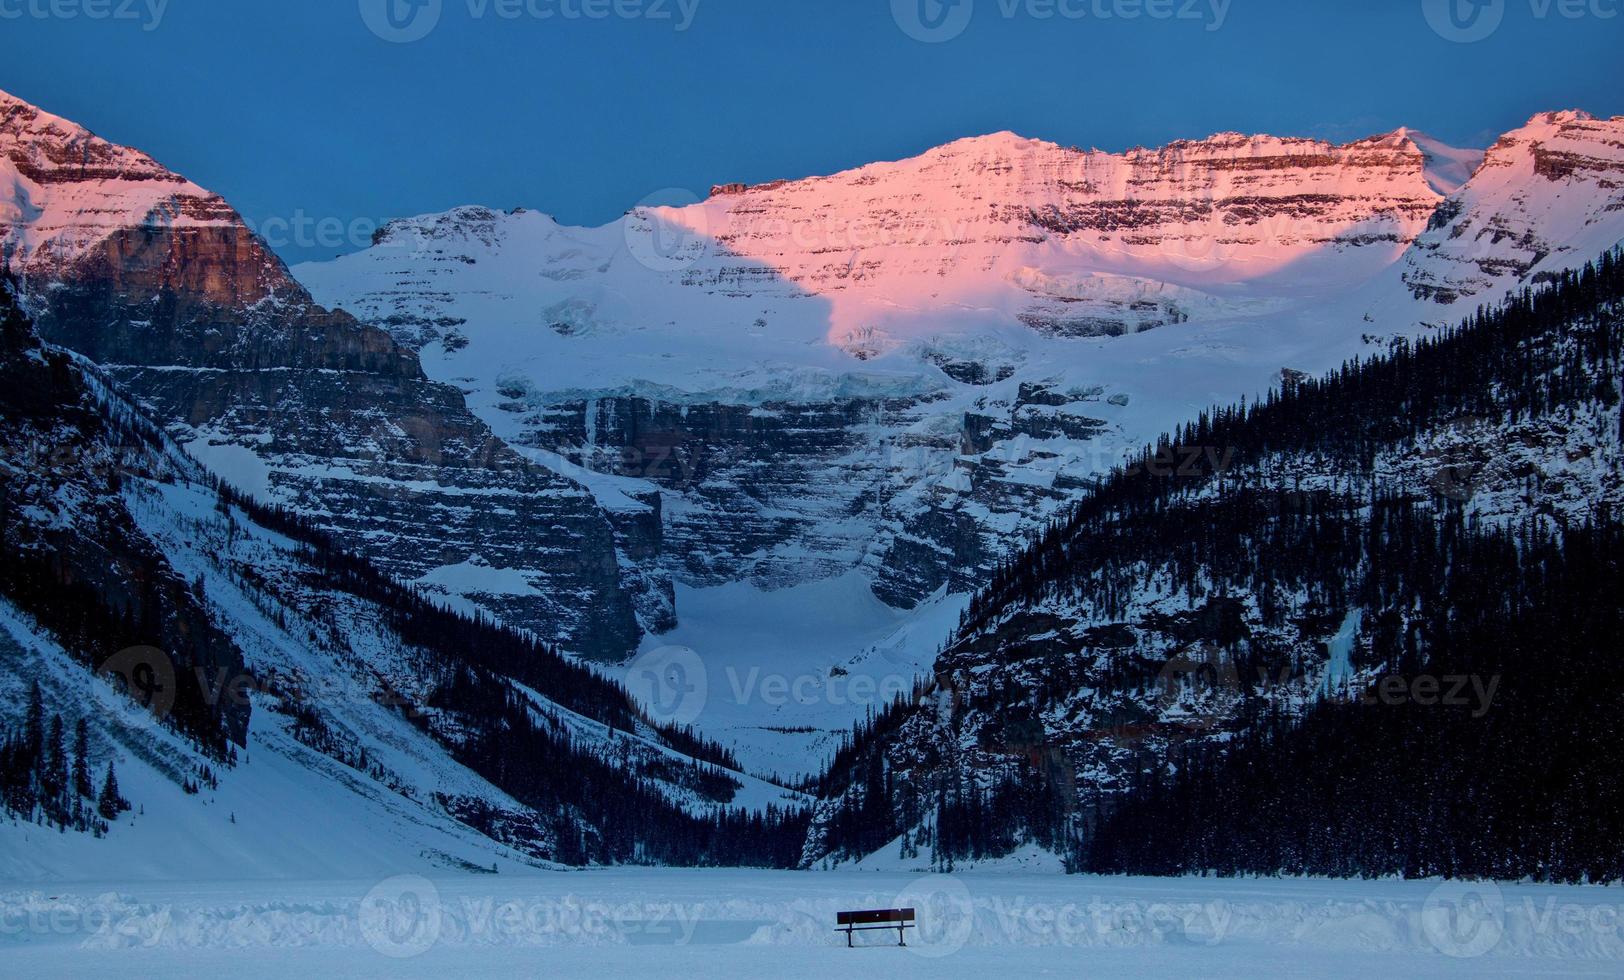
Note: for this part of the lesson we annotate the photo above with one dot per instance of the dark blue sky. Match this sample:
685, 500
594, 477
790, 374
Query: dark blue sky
296, 109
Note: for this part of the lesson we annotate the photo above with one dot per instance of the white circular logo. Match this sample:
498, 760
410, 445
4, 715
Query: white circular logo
670, 683
401, 21
933, 21
1464, 21
1464, 919
945, 915
400, 916
658, 239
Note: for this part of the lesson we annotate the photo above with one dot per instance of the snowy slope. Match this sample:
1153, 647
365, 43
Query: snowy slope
1547, 197
1448, 167
285, 811
787, 671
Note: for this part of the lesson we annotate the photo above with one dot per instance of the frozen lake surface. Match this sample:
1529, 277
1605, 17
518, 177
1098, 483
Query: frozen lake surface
666, 923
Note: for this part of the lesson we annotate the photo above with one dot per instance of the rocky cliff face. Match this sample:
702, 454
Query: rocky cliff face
163, 284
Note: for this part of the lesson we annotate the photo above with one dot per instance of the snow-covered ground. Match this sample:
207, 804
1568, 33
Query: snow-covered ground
757, 924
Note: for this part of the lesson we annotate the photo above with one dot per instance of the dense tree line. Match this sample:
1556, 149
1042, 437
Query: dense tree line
1558, 345
94, 626
474, 638
605, 813
1423, 784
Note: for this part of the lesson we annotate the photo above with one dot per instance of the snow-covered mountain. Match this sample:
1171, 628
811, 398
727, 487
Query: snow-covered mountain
901, 371
986, 232
163, 284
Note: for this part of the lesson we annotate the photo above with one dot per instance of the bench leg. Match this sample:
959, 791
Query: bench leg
848, 939
902, 937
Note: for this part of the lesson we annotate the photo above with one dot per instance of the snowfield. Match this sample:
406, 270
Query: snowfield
756, 924
783, 675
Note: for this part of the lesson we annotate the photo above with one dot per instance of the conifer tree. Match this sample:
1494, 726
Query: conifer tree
111, 804
82, 787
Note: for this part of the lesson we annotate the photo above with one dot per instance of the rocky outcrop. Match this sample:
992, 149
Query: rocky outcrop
782, 493
737, 476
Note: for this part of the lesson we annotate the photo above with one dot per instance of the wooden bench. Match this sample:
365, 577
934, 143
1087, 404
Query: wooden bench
854, 922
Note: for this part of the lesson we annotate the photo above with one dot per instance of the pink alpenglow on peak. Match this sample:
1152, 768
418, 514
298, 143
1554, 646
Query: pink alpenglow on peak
983, 224
1547, 196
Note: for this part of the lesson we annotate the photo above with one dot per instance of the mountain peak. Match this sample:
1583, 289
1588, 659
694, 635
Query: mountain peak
1004, 137
1561, 117
35, 118
1563, 131
1002, 141
64, 191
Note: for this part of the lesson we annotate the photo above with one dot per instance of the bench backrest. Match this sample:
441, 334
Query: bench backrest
873, 917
